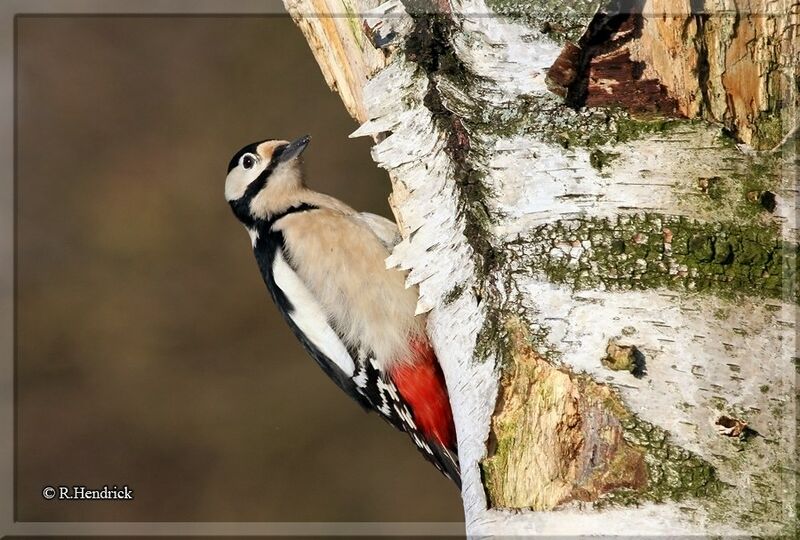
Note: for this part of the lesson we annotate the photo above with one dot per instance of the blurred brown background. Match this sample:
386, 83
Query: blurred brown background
148, 351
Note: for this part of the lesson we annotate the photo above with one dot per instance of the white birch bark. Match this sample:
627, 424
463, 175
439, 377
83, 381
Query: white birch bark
626, 285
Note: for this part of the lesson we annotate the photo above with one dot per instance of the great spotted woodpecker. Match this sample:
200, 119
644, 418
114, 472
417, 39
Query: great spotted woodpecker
323, 264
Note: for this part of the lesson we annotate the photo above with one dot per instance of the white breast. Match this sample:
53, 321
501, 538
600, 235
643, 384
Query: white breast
309, 316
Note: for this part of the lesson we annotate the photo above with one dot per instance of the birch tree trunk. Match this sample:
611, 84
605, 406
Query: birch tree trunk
598, 203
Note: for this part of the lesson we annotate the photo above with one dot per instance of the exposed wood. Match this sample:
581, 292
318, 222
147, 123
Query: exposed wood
730, 62
340, 45
563, 430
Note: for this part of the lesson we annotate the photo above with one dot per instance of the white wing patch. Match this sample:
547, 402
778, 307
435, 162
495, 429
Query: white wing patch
309, 316
360, 377
253, 235
405, 416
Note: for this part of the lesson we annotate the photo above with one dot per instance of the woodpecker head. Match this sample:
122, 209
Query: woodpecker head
262, 176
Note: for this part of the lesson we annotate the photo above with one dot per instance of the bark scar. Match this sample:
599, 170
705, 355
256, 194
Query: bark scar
556, 437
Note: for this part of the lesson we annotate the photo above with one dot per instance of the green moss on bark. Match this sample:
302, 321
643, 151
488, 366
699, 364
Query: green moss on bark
549, 120
769, 130
674, 473
560, 20
600, 160
453, 294
645, 251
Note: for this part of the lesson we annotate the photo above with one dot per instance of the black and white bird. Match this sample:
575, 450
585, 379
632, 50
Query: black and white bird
324, 266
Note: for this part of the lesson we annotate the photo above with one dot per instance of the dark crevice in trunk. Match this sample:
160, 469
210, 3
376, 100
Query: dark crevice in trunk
600, 71
700, 17
429, 46
598, 39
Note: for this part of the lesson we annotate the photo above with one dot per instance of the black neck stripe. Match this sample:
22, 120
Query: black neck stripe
241, 206
303, 207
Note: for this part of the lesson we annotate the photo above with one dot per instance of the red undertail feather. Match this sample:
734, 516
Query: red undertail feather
421, 385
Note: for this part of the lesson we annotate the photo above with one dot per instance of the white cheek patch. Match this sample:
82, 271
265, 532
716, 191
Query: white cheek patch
309, 317
238, 179
235, 185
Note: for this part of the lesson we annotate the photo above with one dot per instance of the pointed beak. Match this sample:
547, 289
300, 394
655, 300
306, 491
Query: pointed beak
294, 148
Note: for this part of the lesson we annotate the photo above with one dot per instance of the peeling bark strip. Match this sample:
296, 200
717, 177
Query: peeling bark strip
627, 57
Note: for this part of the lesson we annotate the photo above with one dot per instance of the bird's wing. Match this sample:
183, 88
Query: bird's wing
383, 228
308, 321
382, 392
414, 401
393, 396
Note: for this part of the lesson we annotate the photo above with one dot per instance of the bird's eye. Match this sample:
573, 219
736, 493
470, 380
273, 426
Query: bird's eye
248, 161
